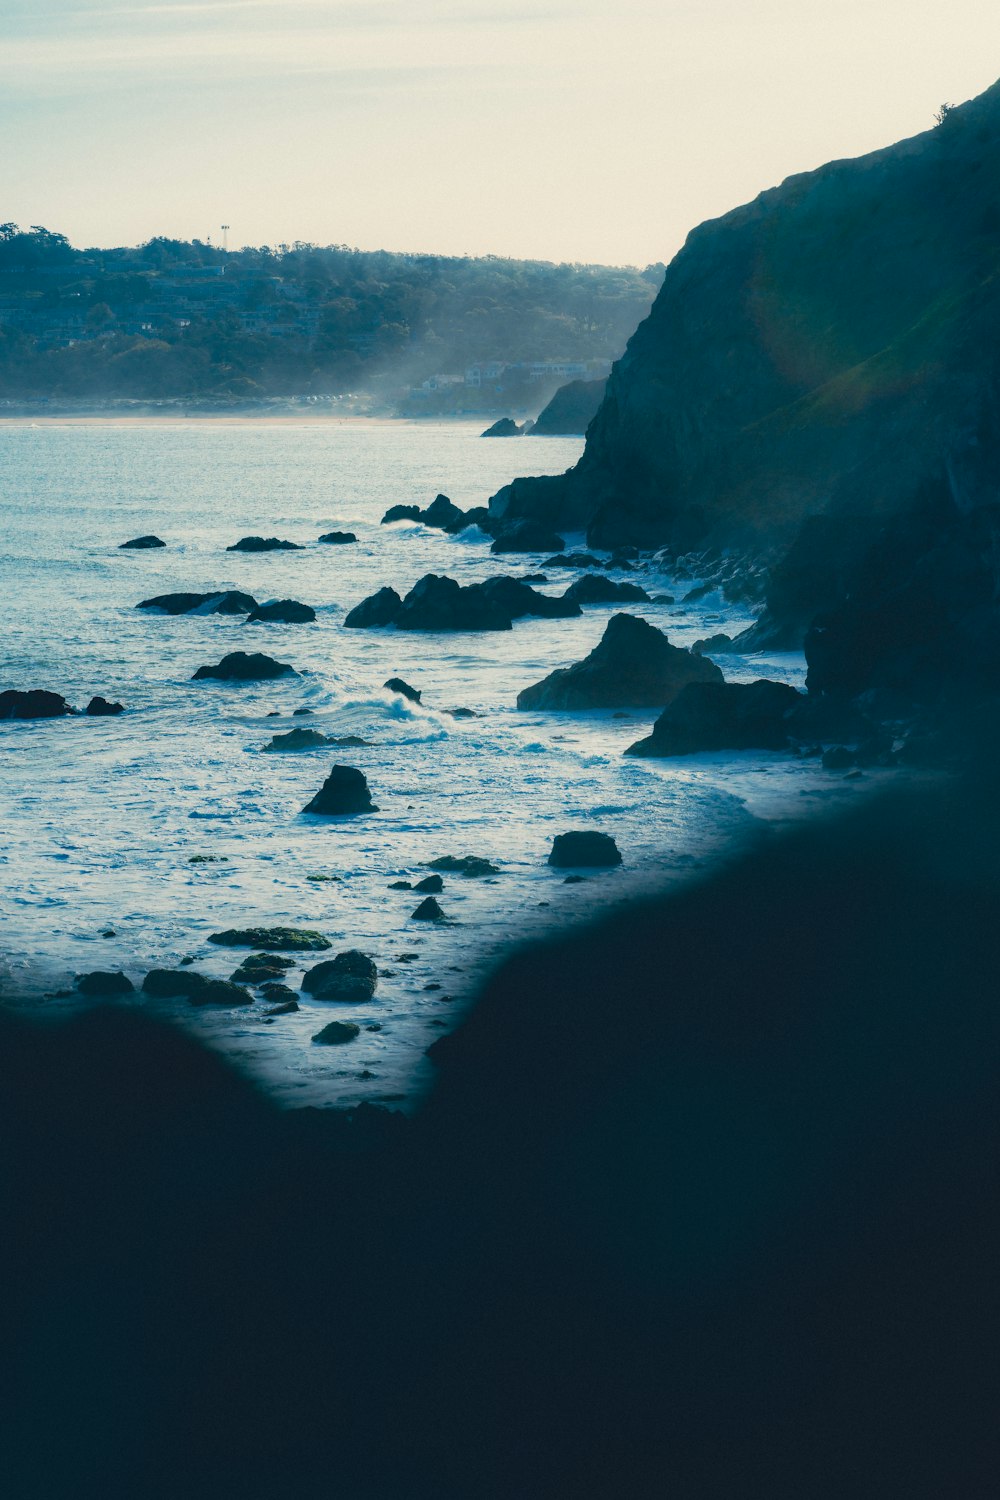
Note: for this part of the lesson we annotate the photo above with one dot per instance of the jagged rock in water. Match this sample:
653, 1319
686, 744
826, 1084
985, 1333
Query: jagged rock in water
597, 589
443, 514
712, 643
397, 685
100, 708
380, 608
472, 866
573, 560
33, 703
357, 967
337, 1033
283, 1007
141, 543
103, 983
633, 666
723, 716
431, 885
428, 911
229, 602
283, 612
345, 791
505, 427
439, 603
264, 544
241, 666
517, 599
527, 536
281, 939
571, 410
295, 739
584, 849
401, 513
338, 538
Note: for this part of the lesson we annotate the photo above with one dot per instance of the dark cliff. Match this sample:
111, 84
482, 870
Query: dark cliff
830, 348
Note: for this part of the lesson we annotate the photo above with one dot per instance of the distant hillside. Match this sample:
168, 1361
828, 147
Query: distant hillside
176, 319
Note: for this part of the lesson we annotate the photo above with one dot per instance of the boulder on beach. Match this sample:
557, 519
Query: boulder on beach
380, 608
338, 538
337, 1033
505, 427
264, 544
345, 791
101, 708
105, 984
722, 716
282, 612
584, 849
528, 536
33, 703
241, 666
226, 602
401, 513
141, 543
633, 666
596, 589
352, 964
472, 866
428, 911
295, 739
397, 685
281, 939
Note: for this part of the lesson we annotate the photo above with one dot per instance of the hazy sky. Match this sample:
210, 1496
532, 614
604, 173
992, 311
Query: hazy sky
567, 129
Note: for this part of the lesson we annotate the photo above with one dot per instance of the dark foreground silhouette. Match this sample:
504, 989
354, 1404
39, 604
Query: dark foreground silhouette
704, 1204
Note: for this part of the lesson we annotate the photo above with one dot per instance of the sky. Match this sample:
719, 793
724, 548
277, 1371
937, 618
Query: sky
561, 130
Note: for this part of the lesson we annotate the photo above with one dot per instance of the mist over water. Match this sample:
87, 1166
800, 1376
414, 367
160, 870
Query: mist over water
101, 817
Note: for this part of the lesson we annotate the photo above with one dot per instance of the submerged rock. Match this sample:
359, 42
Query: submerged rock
337, 1033
722, 716
528, 536
101, 982
633, 666
101, 708
428, 911
168, 984
283, 612
338, 538
283, 1008
264, 544
282, 939
596, 589
140, 543
584, 848
258, 968
34, 703
345, 791
227, 602
295, 739
401, 513
397, 685
220, 992
380, 608
472, 866
241, 666
505, 427
352, 964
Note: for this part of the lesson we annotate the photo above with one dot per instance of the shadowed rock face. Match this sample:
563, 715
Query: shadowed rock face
723, 716
344, 791
571, 410
633, 666
828, 347
584, 849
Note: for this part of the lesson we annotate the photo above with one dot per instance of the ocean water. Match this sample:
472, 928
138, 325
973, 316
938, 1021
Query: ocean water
100, 818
